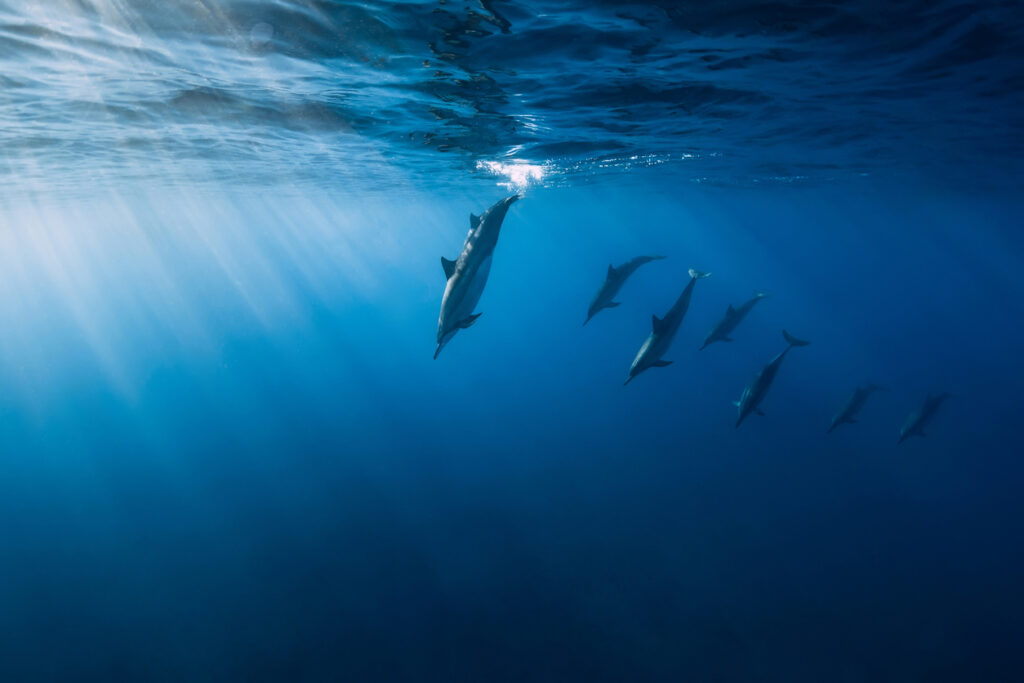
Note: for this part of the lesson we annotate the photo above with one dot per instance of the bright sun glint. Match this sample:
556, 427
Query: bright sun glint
519, 175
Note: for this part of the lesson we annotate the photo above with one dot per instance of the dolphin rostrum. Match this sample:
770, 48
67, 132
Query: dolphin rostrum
613, 282
467, 275
853, 406
664, 330
919, 419
762, 382
732, 318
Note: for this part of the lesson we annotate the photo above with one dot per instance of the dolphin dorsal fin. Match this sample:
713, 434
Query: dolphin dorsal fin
474, 221
656, 323
449, 267
730, 310
611, 271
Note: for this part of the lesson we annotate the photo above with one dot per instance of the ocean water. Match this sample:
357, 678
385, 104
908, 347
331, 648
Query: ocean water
226, 452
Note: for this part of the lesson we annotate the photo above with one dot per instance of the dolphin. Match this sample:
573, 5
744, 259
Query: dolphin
732, 318
915, 424
664, 330
467, 275
853, 406
762, 382
613, 282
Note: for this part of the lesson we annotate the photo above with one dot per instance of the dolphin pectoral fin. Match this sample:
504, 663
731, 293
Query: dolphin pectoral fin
449, 267
612, 304
463, 324
727, 339
759, 412
661, 363
851, 420
730, 311
474, 221
611, 272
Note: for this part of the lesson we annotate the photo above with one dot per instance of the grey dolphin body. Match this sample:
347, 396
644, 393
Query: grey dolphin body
468, 274
919, 419
762, 382
732, 318
664, 330
613, 282
853, 406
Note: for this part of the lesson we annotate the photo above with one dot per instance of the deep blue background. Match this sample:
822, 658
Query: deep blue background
229, 455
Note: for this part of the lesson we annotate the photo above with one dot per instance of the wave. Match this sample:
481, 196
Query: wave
323, 91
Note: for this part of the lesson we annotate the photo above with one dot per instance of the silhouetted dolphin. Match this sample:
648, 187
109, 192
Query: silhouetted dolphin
762, 382
664, 330
468, 275
613, 282
732, 318
853, 406
915, 424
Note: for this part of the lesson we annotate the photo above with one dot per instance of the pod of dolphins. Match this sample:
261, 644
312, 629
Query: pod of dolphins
467, 276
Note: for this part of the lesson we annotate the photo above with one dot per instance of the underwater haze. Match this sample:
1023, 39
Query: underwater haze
227, 452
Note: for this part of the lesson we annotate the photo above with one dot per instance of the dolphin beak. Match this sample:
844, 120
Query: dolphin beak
628, 380
438, 352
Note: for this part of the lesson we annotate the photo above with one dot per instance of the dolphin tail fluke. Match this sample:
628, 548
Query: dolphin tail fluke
793, 341
906, 435
697, 275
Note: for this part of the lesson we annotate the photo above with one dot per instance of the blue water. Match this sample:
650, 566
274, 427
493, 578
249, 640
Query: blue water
227, 454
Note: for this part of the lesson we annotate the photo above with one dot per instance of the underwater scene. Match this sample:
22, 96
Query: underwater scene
495, 340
